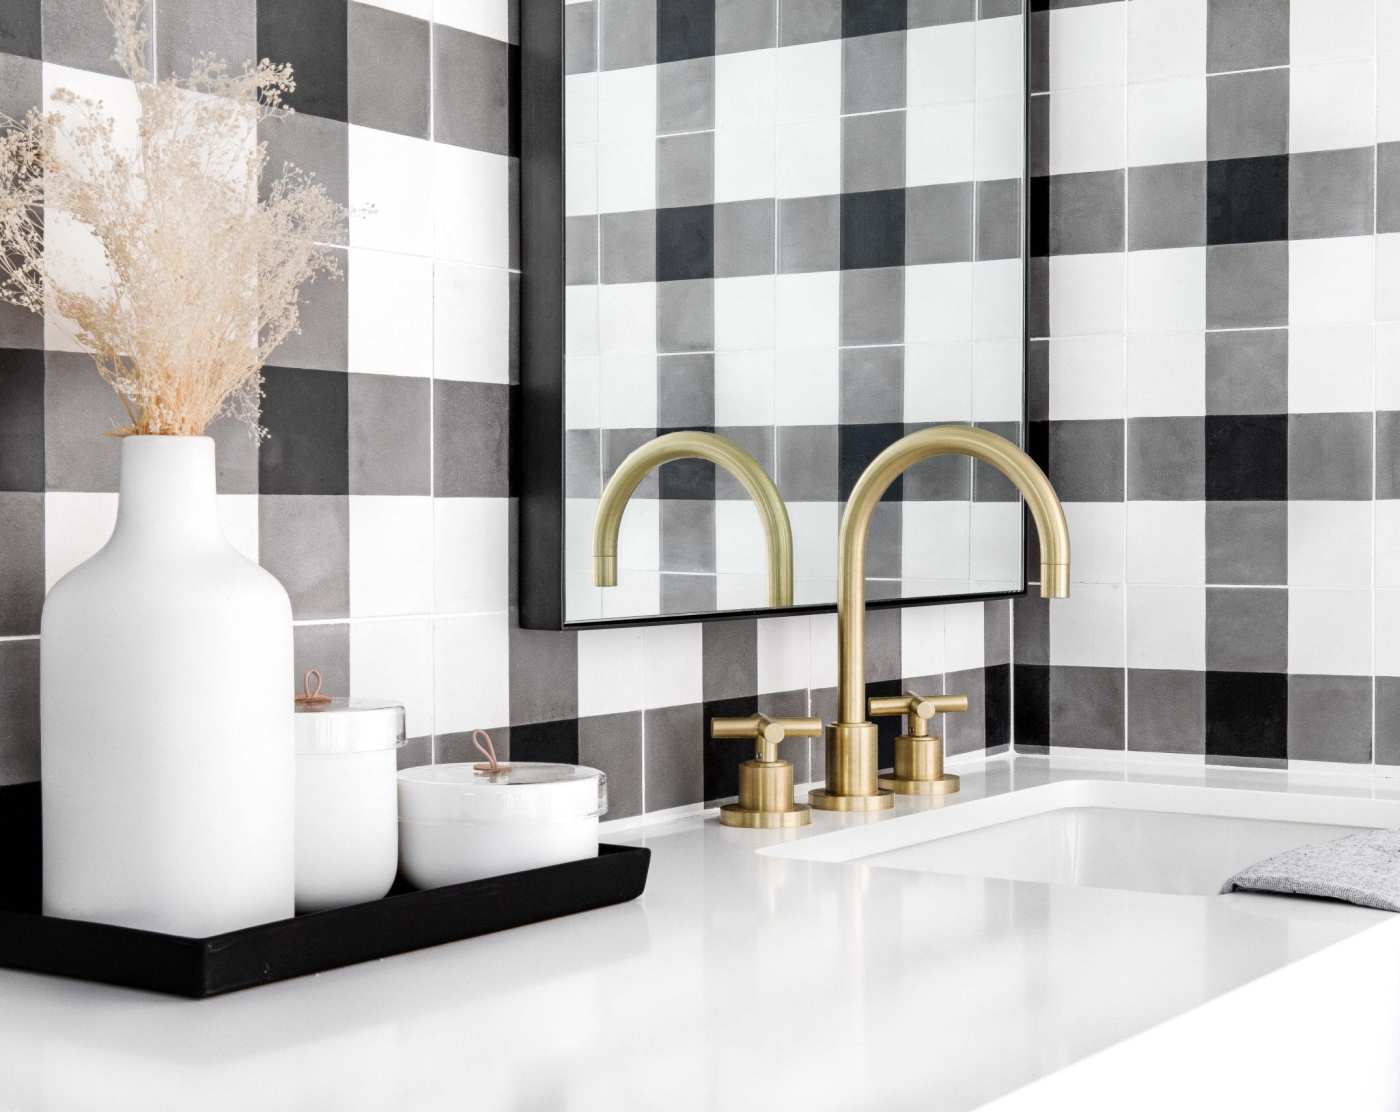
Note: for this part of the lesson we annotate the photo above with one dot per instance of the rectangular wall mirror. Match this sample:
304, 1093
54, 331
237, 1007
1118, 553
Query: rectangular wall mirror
798, 225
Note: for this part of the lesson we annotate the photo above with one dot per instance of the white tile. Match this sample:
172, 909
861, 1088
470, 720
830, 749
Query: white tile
627, 104
941, 63
391, 191
420, 9
744, 313
1387, 633
1097, 530
638, 595
472, 673
76, 525
79, 264
807, 387
784, 653
1166, 542
1330, 370
1086, 378
921, 639
627, 175
1166, 375
744, 388
937, 540
1167, 121
238, 517
741, 591
627, 318
823, 660
471, 210
1388, 30
1329, 632
997, 549
391, 555
746, 89
808, 81
965, 638
814, 528
938, 381
1388, 275
739, 539
1086, 46
938, 303
638, 539
1166, 38
390, 313
1167, 290
998, 380
1001, 144
745, 163
808, 310
1330, 281
1387, 542
471, 323
1388, 366
471, 563
1001, 57
940, 143
808, 159
581, 323
673, 667
582, 388
1086, 629
1331, 107
1086, 294
1087, 130
580, 179
609, 663
1332, 30
394, 661
997, 286
1329, 543
1167, 627
1388, 100
627, 390
485, 17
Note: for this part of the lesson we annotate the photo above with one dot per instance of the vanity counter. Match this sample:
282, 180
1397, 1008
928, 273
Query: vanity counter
745, 980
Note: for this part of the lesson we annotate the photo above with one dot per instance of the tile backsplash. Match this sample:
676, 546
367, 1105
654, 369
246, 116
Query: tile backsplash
382, 498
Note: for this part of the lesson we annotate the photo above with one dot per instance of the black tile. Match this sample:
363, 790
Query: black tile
872, 229
22, 419
1038, 213
685, 243
21, 28
890, 726
858, 445
723, 758
1247, 457
1247, 715
22, 567
684, 29
691, 479
1032, 707
998, 705
307, 417
872, 17
311, 35
545, 741
1247, 200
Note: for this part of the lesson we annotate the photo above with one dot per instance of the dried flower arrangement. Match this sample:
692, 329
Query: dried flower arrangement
202, 272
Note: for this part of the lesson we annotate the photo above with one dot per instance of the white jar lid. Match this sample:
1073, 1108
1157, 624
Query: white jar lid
348, 726
522, 791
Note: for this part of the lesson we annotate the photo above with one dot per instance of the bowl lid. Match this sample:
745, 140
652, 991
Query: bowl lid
518, 790
348, 726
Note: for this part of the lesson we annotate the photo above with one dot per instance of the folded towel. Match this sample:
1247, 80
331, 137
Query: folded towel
1362, 869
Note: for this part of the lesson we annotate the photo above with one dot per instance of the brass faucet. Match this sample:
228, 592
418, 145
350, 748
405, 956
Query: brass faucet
852, 741
777, 530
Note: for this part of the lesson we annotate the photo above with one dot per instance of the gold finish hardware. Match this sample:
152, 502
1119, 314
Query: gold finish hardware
777, 530
766, 799
851, 777
918, 756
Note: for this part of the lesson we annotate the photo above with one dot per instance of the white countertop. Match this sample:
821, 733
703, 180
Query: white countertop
739, 980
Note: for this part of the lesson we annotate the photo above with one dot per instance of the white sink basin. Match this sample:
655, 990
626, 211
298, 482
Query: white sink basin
1102, 834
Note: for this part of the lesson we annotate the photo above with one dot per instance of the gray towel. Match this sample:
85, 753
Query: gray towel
1362, 869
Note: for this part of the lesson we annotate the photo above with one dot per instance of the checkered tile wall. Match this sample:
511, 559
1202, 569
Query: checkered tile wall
382, 499
1215, 374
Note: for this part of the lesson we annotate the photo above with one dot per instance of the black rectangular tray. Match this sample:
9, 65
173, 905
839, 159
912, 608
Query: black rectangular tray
406, 919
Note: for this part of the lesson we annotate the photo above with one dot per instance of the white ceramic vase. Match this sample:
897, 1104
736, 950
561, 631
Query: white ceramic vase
167, 754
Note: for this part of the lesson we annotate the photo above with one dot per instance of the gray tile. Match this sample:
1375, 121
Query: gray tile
873, 72
744, 243
390, 420
1387, 720
1038, 296
1246, 629
1038, 380
543, 675
674, 761
1031, 640
613, 743
1166, 206
1166, 711
1329, 718
872, 306
617, 445
938, 224
809, 234
581, 250
872, 385
628, 33
685, 170
22, 571
304, 541
1247, 372
685, 95
803, 21
994, 9
1247, 542
966, 732
1246, 34
1038, 63
1086, 460
583, 463
78, 34
326, 648
319, 146
936, 13
471, 90
417, 751
322, 339
1331, 193
745, 25
872, 151
1038, 139
80, 410
19, 712
944, 479
1086, 707
471, 439
1387, 454
808, 463
1388, 187
729, 658
996, 633
757, 440
1329, 456
390, 68
989, 484
689, 594
685, 315
1246, 285
795, 750
882, 642
1166, 458
455, 748
581, 37
685, 391
687, 535
22, 31
1086, 212
188, 28
998, 220
235, 456
628, 246
1247, 114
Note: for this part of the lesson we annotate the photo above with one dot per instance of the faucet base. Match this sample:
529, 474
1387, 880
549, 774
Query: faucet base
824, 800
946, 784
852, 761
748, 818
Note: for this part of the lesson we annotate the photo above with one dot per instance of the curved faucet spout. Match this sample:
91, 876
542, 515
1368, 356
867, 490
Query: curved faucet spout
777, 530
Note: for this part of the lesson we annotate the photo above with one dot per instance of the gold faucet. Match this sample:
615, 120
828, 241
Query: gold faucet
777, 530
852, 777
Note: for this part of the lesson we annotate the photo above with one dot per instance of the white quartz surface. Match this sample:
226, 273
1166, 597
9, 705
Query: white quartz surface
739, 980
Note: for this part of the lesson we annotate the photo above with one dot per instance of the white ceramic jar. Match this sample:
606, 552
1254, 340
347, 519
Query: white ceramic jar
459, 823
347, 834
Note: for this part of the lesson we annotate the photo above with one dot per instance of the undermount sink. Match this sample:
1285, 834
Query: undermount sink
1178, 840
